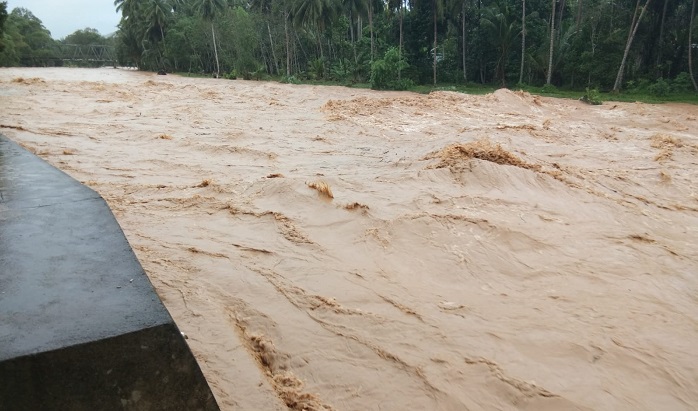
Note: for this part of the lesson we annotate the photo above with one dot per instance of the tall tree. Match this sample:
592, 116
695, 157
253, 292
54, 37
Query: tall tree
317, 14
127, 8
355, 9
287, 16
3, 18
371, 5
690, 46
523, 39
499, 22
84, 37
631, 36
437, 7
265, 7
464, 41
393, 7
661, 34
209, 9
580, 4
402, 37
552, 44
156, 14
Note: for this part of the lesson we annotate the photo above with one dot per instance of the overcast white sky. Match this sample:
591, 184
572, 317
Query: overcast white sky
63, 17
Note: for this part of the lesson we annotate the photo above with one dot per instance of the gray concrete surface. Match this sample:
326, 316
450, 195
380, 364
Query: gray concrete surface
81, 326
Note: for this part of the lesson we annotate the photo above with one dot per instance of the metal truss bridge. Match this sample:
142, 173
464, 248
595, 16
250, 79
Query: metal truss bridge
77, 52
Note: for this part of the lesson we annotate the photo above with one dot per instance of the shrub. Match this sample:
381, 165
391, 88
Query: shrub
660, 88
681, 83
549, 88
639, 86
316, 69
232, 75
260, 73
290, 80
592, 96
341, 70
384, 72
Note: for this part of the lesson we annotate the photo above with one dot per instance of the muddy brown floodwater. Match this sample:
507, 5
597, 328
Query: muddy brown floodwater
328, 248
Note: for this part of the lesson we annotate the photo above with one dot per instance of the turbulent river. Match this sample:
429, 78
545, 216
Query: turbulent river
346, 249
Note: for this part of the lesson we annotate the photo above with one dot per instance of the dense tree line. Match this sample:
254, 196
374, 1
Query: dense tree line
24, 41
608, 44
3, 19
573, 43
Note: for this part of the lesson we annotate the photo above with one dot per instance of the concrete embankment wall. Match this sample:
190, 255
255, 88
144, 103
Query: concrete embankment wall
81, 327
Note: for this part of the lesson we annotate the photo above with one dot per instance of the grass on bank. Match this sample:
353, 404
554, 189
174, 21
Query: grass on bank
623, 96
476, 88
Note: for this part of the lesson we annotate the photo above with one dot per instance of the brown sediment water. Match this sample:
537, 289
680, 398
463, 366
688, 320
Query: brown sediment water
336, 248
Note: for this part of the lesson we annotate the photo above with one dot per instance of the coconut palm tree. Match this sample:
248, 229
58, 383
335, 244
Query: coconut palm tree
457, 10
523, 40
631, 36
356, 8
690, 46
437, 11
393, 6
552, 45
499, 22
156, 14
127, 8
144, 23
209, 9
317, 14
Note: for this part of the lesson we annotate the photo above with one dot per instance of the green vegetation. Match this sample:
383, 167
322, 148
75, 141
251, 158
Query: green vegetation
592, 96
559, 48
85, 37
24, 41
3, 19
386, 72
403, 44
